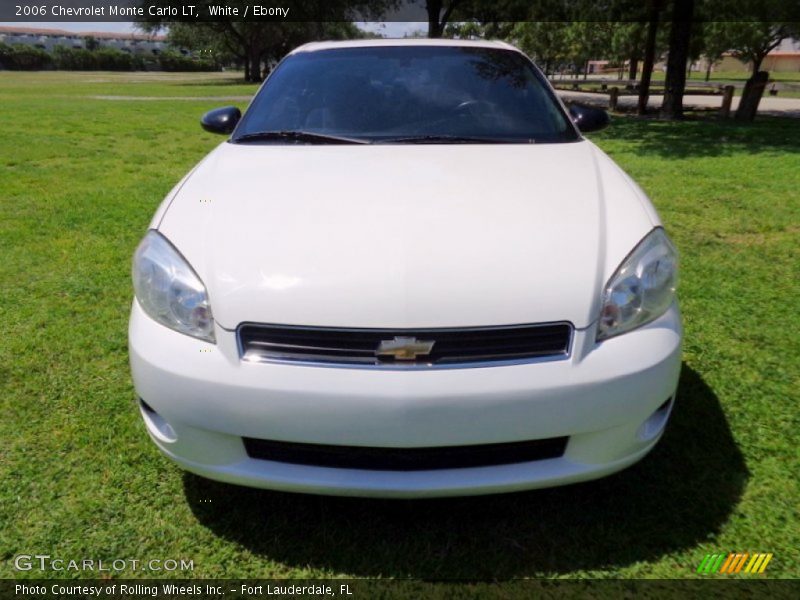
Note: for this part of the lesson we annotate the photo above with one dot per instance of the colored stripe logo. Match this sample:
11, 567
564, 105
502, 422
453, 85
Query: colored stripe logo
734, 562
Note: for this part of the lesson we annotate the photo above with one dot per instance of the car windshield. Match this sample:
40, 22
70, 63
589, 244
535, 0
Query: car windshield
406, 94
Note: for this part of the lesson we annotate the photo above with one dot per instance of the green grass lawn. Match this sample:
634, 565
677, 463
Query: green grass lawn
789, 76
735, 76
79, 180
717, 79
657, 88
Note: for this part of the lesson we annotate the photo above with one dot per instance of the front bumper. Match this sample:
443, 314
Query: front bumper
604, 397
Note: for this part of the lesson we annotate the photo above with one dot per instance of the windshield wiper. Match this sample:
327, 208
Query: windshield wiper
300, 136
449, 139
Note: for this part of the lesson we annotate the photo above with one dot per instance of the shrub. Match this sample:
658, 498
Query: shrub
19, 57
74, 59
174, 61
104, 59
111, 59
6, 53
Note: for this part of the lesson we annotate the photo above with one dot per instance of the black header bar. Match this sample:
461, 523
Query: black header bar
379, 10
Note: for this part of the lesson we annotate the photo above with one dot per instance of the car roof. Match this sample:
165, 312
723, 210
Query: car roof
375, 43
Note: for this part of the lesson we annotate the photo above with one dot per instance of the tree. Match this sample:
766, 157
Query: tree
626, 43
716, 42
90, 43
552, 31
586, 40
443, 12
752, 41
754, 28
697, 43
680, 35
257, 44
546, 43
204, 41
653, 14
465, 30
439, 14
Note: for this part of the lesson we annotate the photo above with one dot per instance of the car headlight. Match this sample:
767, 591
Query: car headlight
642, 288
169, 290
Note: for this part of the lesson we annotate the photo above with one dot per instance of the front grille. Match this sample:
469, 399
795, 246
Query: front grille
359, 347
405, 459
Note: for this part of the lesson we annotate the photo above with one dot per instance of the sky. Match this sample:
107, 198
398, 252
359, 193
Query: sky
387, 29
394, 29
77, 27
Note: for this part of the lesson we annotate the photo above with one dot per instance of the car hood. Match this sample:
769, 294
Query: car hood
405, 236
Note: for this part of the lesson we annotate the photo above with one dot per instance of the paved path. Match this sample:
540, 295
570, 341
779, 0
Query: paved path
783, 107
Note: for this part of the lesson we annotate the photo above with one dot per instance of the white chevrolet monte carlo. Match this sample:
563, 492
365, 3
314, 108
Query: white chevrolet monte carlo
405, 274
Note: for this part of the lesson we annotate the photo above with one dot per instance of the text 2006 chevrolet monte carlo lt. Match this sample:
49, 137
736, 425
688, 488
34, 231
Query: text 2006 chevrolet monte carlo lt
405, 273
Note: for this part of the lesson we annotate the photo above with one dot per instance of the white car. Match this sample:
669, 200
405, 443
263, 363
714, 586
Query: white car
405, 274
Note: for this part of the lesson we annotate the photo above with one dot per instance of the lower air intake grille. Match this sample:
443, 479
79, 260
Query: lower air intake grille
405, 459
403, 347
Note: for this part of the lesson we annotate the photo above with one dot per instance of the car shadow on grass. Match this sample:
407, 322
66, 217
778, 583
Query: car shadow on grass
678, 496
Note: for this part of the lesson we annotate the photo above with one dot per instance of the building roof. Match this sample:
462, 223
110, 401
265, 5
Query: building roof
100, 35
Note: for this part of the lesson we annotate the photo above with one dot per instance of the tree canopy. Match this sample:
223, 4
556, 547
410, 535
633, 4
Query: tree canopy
259, 44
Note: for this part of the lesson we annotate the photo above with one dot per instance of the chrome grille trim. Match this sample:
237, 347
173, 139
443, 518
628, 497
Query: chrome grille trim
255, 350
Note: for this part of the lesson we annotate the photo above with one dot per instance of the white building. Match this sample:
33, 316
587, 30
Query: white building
47, 39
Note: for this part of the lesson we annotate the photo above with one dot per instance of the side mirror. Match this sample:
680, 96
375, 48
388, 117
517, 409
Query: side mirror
587, 118
221, 120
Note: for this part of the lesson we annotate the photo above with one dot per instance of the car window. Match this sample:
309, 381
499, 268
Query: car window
396, 92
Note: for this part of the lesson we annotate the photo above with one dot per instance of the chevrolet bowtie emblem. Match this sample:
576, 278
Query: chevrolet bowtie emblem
404, 348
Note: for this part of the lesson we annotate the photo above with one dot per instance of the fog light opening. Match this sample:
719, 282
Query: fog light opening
156, 424
656, 422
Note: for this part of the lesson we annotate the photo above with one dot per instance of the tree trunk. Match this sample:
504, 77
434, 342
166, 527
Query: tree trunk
751, 96
654, 7
708, 69
756, 66
435, 27
633, 68
254, 58
246, 63
679, 37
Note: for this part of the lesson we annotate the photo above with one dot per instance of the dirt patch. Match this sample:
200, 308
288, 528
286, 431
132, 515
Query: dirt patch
760, 238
